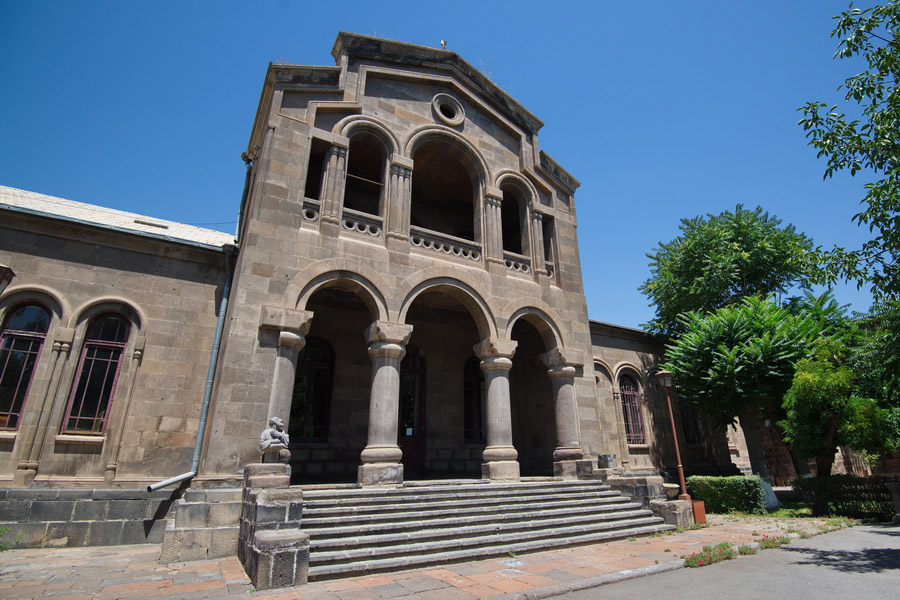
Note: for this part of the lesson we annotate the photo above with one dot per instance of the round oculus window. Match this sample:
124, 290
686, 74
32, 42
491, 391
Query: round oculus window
448, 109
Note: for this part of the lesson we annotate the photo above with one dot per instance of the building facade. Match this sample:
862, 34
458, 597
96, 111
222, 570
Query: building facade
404, 292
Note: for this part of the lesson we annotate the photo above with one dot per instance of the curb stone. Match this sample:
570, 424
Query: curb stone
574, 586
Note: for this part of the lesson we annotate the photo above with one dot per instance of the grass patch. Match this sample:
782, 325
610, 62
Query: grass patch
746, 550
773, 542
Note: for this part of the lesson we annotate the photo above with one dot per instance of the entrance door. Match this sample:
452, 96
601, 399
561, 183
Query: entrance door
411, 432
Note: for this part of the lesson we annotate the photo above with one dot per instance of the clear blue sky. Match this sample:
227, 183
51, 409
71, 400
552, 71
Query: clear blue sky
661, 109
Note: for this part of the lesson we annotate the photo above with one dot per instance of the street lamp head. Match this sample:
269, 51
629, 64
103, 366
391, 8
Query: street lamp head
665, 378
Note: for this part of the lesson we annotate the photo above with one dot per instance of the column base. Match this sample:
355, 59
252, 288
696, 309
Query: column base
502, 470
567, 469
379, 474
24, 475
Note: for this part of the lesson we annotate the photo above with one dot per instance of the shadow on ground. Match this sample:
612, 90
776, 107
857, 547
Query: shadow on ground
869, 560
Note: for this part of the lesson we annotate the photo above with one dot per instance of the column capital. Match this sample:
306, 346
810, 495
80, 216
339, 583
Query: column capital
492, 201
387, 332
562, 357
537, 216
495, 347
337, 150
285, 319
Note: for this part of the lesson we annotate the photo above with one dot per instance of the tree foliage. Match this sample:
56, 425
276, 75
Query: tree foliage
720, 259
824, 411
738, 358
866, 144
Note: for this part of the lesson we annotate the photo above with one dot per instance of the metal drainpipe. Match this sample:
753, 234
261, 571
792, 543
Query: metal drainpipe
210, 377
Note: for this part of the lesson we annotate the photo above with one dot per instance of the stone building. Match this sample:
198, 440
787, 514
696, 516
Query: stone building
404, 291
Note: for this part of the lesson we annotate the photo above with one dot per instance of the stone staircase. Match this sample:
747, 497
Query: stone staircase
354, 531
206, 525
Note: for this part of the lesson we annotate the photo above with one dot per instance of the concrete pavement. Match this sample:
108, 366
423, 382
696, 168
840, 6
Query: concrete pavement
112, 572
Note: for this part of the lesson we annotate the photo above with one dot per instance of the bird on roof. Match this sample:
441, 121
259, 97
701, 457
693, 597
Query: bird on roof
444, 44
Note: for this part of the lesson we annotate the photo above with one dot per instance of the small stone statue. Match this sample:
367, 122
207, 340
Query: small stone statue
274, 441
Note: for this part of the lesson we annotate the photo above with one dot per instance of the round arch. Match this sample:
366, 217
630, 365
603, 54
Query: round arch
542, 321
354, 276
601, 367
112, 304
355, 124
632, 371
510, 177
38, 293
475, 161
465, 294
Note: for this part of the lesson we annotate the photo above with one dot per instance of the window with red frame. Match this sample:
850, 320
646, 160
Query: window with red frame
631, 408
98, 371
21, 339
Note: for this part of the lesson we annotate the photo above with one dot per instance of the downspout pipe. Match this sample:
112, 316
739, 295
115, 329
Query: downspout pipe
210, 378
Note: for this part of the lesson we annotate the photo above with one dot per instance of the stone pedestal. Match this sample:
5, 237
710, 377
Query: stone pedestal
679, 513
500, 470
278, 558
380, 474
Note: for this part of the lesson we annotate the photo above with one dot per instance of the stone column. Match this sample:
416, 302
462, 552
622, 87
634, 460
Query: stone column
381, 456
398, 204
332, 195
500, 455
537, 242
493, 235
292, 326
561, 371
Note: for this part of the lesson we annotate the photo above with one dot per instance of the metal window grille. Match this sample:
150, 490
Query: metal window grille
631, 409
97, 375
20, 344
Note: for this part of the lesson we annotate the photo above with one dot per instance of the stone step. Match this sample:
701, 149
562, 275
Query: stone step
469, 489
322, 516
532, 527
370, 564
316, 508
388, 523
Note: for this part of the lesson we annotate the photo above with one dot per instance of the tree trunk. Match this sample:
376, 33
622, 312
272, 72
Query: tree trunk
824, 463
749, 425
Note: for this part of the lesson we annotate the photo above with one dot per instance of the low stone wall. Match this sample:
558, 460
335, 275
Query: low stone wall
39, 518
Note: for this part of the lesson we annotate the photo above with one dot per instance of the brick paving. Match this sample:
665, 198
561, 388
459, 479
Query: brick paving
111, 572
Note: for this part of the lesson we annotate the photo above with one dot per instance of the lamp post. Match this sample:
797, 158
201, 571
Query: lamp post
665, 380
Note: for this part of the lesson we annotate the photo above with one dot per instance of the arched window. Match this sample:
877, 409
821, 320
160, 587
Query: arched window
365, 174
21, 338
512, 211
631, 408
443, 190
96, 376
474, 399
311, 401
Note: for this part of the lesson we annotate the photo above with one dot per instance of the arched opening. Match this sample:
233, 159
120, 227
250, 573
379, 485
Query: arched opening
443, 190
444, 333
334, 425
512, 217
532, 402
364, 189
21, 338
474, 402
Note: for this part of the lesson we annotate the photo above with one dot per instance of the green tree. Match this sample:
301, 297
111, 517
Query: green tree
736, 360
720, 259
824, 411
867, 144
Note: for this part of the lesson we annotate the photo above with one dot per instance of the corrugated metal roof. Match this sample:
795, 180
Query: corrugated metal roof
108, 217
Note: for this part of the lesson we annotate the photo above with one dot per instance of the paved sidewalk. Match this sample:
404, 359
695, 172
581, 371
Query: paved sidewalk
111, 572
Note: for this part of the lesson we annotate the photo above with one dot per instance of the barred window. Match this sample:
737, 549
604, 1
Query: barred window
21, 339
631, 408
98, 371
